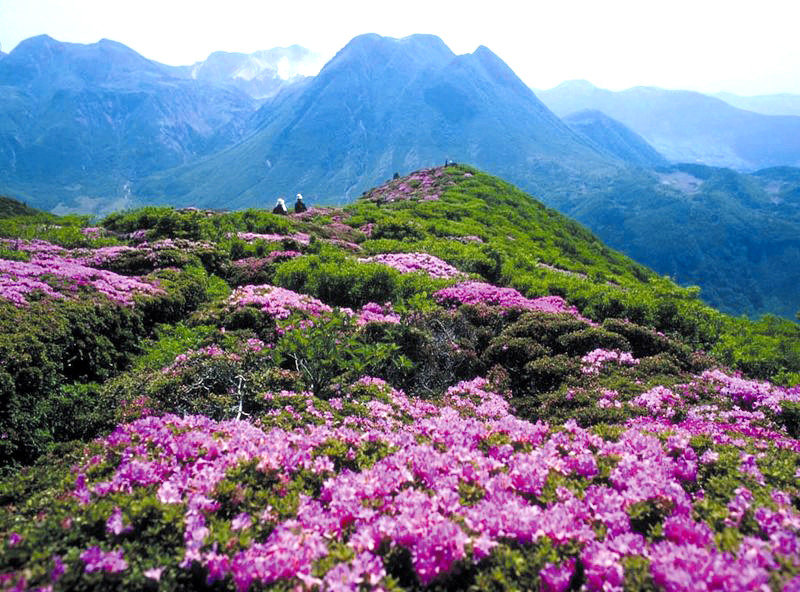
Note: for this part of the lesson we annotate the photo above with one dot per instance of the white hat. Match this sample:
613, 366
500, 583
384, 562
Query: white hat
299, 196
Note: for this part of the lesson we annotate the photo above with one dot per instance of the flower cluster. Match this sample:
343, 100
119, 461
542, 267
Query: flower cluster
53, 275
413, 497
275, 301
483, 293
411, 262
372, 312
92, 231
98, 560
189, 357
35, 246
150, 251
253, 264
298, 237
593, 362
423, 185
751, 394
280, 303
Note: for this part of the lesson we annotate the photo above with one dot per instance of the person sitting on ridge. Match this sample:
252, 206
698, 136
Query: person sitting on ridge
280, 208
299, 206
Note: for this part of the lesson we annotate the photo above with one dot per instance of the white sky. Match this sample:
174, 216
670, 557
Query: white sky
740, 46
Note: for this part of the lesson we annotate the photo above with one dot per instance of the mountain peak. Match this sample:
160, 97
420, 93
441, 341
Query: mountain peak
500, 73
412, 43
372, 51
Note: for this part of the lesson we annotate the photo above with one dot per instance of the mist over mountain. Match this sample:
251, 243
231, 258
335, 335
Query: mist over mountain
261, 74
777, 104
687, 126
615, 138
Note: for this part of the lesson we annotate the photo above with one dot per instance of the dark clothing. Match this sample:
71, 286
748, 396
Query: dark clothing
299, 207
280, 209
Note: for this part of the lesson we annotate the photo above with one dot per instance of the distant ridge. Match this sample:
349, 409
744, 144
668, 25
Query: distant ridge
615, 138
80, 122
777, 104
687, 126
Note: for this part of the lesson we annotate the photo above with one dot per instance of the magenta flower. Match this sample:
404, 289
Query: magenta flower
415, 262
483, 293
98, 560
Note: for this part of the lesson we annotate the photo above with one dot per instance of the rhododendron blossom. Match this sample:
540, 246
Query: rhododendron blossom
483, 293
411, 262
594, 361
411, 496
275, 301
18, 279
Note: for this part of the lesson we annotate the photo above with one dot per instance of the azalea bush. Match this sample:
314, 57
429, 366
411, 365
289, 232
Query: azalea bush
441, 494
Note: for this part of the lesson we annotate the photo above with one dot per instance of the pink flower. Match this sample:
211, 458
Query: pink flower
98, 560
241, 521
115, 523
154, 573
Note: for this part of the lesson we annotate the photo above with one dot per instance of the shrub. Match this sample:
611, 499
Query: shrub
330, 349
578, 343
548, 372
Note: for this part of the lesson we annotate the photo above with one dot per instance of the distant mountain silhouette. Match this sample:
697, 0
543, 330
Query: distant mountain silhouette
777, 104
615, 138
688, 126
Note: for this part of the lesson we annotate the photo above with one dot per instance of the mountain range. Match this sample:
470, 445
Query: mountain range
98, 127
261, 74
688, 126
777, 104
80, 122
381, 106
614, 137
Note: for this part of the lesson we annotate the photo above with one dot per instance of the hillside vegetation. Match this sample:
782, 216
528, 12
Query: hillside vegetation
445, 385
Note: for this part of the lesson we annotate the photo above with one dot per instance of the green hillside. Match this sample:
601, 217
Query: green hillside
445, 385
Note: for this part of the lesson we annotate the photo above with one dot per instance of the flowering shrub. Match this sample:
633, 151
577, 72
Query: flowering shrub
249, 237
751, 394
257, 270
593, 362
483, 293
423, 185
276, 302
458, 483
19, 279
411, 262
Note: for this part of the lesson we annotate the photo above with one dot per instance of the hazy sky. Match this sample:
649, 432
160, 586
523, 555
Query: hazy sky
740, 46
